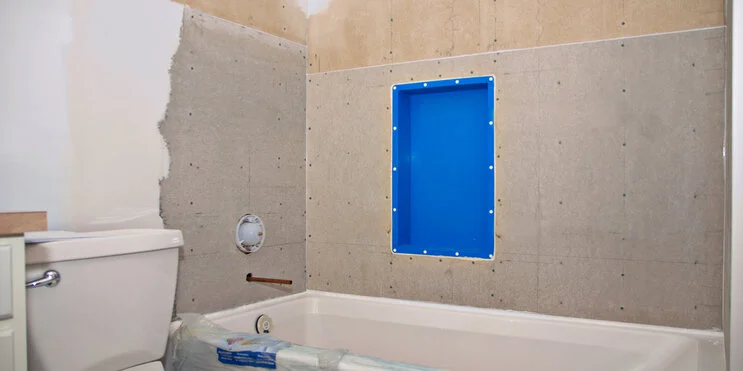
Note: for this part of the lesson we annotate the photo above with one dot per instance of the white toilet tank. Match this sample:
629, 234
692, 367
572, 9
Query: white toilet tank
112, 307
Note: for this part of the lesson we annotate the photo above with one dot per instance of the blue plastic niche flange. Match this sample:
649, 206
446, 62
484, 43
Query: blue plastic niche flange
443, 168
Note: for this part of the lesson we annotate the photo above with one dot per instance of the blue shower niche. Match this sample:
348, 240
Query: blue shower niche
443, 168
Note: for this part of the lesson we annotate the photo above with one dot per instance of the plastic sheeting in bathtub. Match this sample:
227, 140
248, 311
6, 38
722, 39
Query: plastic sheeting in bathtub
199, 344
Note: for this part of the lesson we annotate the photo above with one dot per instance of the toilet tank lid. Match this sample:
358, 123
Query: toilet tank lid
48, 247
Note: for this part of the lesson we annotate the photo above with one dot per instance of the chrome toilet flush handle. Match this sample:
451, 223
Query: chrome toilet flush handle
51, 278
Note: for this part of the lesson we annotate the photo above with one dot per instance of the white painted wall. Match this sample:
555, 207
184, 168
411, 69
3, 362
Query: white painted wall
311, 7
34, 134
83, 85
735, 330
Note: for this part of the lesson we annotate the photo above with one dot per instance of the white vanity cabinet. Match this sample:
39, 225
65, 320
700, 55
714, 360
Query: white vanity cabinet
13, 225
12, 304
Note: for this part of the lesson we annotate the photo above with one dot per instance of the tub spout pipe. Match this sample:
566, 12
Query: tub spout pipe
250, 278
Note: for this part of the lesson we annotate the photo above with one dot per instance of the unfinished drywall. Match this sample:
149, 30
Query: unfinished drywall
609, 172
81, 99
358, 33
284, 18
118, 88
235, 129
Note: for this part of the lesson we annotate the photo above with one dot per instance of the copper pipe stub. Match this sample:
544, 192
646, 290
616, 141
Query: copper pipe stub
250, 278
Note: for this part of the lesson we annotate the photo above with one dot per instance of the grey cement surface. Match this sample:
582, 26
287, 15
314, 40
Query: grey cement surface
235, 132
609, 182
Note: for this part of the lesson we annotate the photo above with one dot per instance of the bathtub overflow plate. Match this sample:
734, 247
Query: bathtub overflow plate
264, 324
249, 233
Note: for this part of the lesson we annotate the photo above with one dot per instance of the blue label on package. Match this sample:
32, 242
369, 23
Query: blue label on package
247, 358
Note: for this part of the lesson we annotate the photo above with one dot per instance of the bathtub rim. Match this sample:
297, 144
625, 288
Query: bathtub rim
709, 343
312, 301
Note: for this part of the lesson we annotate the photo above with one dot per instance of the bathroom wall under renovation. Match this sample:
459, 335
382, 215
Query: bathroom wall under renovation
609, 174
235, 130
609, 182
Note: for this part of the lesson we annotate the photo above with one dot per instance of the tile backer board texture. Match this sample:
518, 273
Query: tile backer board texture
609, 198
359, 33
235, 130
284, 18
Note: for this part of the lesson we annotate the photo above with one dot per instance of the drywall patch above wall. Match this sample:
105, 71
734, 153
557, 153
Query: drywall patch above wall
118, 87
85, 84
34, 145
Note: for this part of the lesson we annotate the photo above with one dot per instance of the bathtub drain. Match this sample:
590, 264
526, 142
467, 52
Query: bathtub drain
264, 324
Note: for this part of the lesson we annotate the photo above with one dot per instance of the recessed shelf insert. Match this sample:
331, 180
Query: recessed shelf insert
443, 168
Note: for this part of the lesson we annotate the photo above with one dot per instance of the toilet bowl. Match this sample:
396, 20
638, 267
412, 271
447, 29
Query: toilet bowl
112, 305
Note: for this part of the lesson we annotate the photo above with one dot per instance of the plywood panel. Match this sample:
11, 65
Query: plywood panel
22, 222
284, 18
643, 17
358, 33
577, 20
516, 23
235, 130
350, 34
436, 28
608, 169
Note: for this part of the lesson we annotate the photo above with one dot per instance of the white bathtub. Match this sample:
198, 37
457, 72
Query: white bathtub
465, 338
